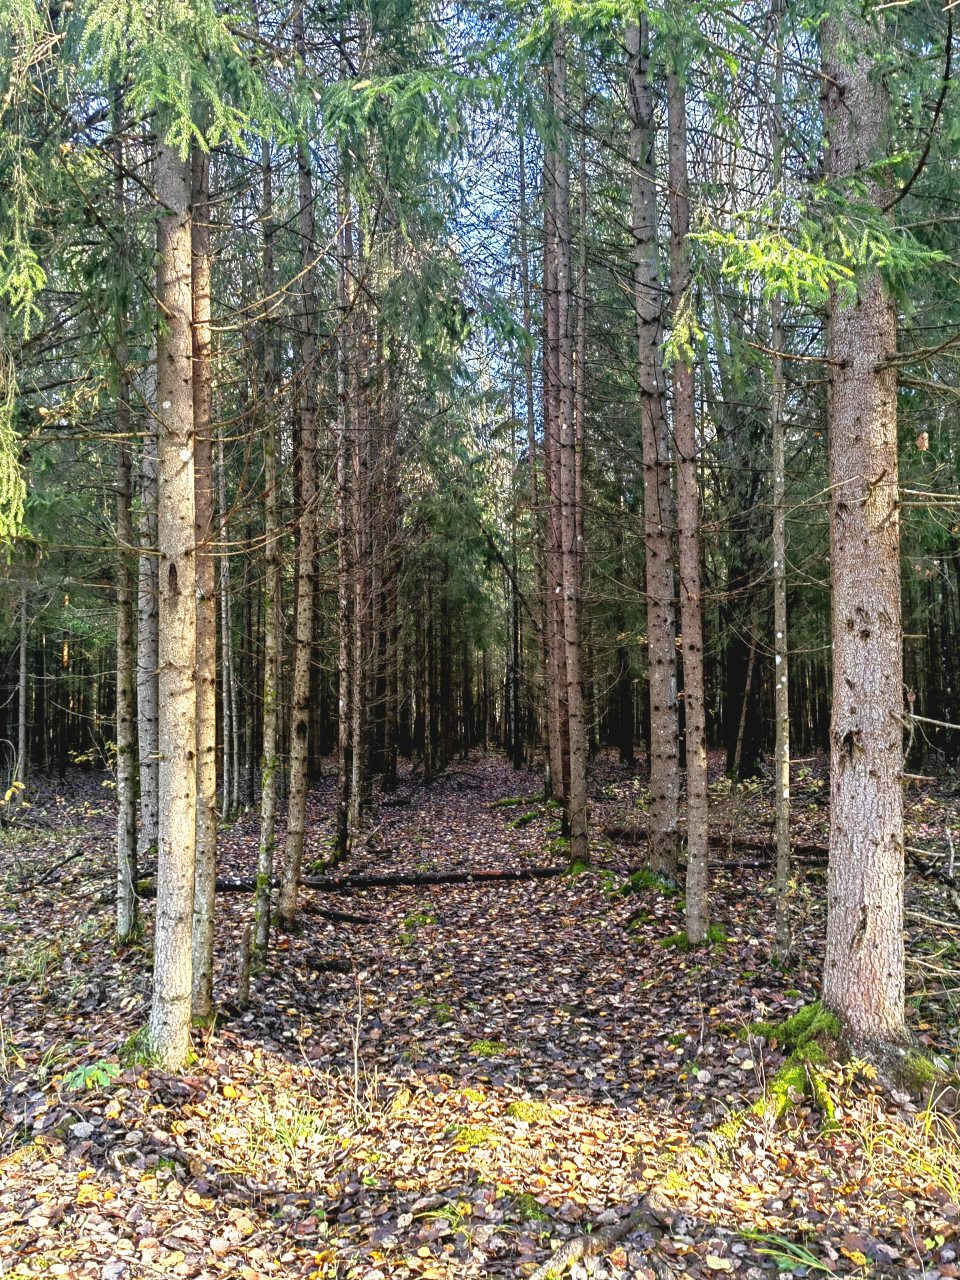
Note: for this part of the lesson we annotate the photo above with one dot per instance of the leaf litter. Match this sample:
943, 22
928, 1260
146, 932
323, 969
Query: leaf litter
484, 1073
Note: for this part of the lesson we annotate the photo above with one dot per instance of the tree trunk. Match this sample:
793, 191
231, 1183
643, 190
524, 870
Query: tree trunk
781, 694
205, 874
126, 730
658, 509
306, 552
148, 637
864, 962
345, 693
23, 690
569, 521
688, 522
272, 591
228, 682
177, 615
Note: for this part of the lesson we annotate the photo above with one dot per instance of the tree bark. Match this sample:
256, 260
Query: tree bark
658, 507
177, 615
148, 636
272, 590
306, 552
126, 732
688, 523
781, 697
864, 962
228, 685
205, 872
23, 690
345, 693
569, 522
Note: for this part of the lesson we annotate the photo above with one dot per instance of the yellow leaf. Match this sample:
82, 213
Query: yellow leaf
855, 1256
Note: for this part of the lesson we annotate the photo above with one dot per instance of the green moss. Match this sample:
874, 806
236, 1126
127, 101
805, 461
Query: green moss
919, 1073
812, 1022
137, 1050
530, 1112
578, 869
728, 1132
645, 879
675, 1182
796, 1078
488, 1048
467, 1136
443, 1013
528, 1208
474, 1095
522, 820
806, 1037
681, 942
763, 1030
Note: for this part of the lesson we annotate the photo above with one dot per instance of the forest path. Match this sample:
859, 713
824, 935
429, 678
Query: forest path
497, 1067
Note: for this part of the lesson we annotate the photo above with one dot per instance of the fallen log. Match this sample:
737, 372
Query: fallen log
652, 1212
345, 884
724, 840
247, 884
330, 884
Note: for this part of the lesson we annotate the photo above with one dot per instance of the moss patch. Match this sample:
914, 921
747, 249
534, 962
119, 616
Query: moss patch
522, 820
488, 1048
807, 1037
680, 941
528, 1208
467, 1136
529, 1112
645, 879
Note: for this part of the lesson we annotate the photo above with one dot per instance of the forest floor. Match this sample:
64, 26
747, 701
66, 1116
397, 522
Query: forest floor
489, 1069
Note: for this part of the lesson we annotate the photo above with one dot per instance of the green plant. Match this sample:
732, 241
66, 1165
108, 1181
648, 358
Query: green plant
787, 1253
467, 1136
529, 1112
645, 879
137, 1051
523, 820
93, 1075
528, 1208
488, 1048
716, 936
